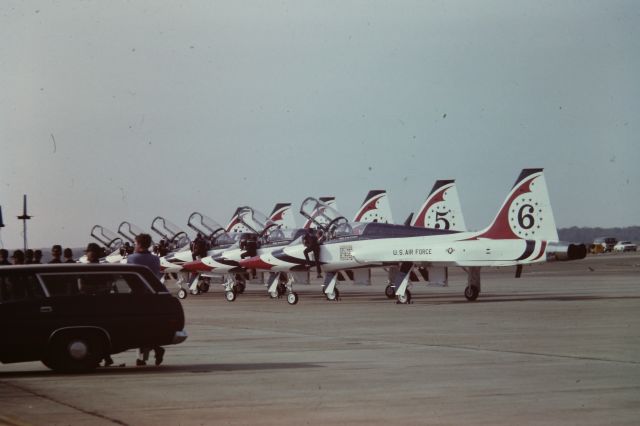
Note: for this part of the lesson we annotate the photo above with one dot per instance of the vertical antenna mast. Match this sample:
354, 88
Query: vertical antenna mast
24, 219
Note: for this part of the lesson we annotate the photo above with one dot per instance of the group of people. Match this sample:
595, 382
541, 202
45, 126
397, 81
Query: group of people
29, 256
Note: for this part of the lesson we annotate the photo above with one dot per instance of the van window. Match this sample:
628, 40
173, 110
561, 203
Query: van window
17, 287
93, 284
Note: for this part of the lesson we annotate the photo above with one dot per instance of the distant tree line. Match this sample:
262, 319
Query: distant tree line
587, 235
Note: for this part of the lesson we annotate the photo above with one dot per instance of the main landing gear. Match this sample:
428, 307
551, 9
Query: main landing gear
280, 284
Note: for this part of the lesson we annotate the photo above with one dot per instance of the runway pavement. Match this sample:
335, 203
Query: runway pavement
561, 345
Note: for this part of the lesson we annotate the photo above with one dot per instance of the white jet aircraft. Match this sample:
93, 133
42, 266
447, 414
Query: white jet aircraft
273, 238
441, 209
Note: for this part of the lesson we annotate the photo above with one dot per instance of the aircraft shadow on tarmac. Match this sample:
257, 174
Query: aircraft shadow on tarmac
450, 298
131, 369
532, 297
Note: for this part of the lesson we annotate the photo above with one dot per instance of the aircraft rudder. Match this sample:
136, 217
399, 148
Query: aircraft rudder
526, 213
441, 209
375, 208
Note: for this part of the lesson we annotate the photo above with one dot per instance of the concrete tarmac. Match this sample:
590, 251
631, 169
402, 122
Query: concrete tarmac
561, 346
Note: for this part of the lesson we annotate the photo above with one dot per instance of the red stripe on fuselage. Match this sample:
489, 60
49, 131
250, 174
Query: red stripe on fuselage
255, 263
197, 266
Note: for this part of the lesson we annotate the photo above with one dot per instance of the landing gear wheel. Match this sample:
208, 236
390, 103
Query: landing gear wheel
390, 292
471, 293
292, 298
203, 286
333, 296
195, 291
406, 299
282, 289
182, 293
240, 288
273, 296
230, 296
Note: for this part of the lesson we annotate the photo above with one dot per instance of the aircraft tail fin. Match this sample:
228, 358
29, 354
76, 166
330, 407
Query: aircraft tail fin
526, 212
408, 220
375, 208
283, 216
441, 209
235, 224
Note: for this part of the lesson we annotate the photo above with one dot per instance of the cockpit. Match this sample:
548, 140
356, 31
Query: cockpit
107, 238
129, 231
337, 227
275, 235
176, 238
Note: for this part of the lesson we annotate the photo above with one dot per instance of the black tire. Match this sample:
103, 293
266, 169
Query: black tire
390, 292
203, 286
282, 289
75, 352
240, 288
471, 293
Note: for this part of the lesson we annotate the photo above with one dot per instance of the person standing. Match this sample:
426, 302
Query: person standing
93, 256
18, 257
68, 256
56, 252
4, 257
142, 256
37, 257
310, 241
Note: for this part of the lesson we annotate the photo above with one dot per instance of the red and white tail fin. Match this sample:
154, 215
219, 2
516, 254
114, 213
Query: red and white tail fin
441, 209
375, 208
235, 224
526, 213
283, 216
330, 201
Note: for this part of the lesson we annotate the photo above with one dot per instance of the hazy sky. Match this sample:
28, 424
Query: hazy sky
126, 110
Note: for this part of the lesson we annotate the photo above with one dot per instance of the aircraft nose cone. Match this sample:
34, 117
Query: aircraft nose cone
255, 263
196, 266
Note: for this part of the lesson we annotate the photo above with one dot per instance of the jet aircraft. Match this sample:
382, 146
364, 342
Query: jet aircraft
376, 206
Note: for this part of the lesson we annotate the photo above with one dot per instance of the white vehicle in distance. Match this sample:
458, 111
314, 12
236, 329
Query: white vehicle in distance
625, 246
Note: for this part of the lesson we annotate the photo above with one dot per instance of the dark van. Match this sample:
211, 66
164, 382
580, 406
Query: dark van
69, 316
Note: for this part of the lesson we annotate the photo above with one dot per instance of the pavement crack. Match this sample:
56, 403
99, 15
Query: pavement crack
66, 404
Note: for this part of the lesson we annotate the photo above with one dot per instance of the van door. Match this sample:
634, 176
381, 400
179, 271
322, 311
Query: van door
22, 335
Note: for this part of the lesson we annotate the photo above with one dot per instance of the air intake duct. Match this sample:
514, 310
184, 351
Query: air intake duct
562, 251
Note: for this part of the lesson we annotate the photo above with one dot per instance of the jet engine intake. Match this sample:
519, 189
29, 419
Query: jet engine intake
562, 251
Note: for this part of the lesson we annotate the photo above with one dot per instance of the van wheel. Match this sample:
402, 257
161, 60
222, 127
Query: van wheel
75, 353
